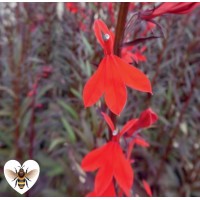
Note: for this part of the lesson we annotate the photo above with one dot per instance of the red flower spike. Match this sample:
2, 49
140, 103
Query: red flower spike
111, 162
147, 188
174, 8
112, 75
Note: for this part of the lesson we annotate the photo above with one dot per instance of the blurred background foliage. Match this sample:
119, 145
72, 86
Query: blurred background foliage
47, 53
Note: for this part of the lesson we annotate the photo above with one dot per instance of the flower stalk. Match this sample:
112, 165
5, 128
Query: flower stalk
121, 22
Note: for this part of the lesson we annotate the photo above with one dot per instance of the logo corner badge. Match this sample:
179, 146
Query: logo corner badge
21, 177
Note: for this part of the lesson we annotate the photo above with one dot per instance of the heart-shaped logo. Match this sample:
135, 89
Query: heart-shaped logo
21, 178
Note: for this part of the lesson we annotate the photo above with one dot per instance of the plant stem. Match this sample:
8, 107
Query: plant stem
121, 22
119, 35
32, 122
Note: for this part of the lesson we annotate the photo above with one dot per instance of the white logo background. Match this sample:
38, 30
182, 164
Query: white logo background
30, 165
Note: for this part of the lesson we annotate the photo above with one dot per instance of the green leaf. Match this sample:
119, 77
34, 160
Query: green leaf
25, 121
56, 142
55, 171
76, 93
68, 108
68, 128
8, 90
5, 113
44, 89
87, 45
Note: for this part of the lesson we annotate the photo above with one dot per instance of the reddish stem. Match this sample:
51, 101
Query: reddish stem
119, 35
32, 122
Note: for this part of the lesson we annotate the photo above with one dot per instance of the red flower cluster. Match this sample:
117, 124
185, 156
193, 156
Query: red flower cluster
112, 75
111, 161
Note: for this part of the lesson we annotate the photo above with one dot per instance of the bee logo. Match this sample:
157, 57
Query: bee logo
21, 177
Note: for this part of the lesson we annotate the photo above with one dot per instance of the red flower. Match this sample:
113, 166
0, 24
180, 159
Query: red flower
112, 75
128, 56
149, 27
109, 192
46, 71
147, 188
72, 7
146, 119
111, 163
136, 141
174, 8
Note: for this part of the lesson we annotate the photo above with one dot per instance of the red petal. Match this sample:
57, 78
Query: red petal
175, 8
91, 194
123, 172
94, 159
140, 57
134, 128
101, 28
127, 55
127, 126
110, 191
140, 141
186, 8
163, 8
94, 88
115, 92
103, 179
133, 77
108, 121
147, 118
130, 148
147, 188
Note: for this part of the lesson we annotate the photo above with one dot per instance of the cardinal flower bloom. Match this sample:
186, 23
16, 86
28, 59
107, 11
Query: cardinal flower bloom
146, 119
112, 75
174, 8
137, 56
111, 164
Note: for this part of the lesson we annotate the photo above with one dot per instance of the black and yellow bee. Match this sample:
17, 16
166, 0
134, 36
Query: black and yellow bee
21, 177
